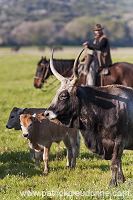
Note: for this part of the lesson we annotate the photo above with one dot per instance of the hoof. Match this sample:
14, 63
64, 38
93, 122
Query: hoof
113, 183
37, 166
121, 178
46, 172
67, 166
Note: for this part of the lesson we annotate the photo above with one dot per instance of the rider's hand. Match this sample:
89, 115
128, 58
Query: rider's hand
85, 44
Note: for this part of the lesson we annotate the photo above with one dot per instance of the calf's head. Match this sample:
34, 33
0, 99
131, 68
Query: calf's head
64, 106
26, 124
13, 121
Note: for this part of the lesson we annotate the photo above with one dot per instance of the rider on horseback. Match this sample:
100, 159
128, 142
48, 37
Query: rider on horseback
101, 49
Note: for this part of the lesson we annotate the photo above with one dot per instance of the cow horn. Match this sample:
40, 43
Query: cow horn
75, 68
57, 75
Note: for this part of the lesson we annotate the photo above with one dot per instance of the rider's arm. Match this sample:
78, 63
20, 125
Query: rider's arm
99, 46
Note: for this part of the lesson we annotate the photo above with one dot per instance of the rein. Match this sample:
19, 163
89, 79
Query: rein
41, 78
51, 84
45, 73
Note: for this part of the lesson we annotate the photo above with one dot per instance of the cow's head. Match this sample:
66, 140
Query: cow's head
13, 121
26, 121
65, 104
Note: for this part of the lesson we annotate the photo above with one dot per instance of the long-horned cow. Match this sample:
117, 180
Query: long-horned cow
104, 116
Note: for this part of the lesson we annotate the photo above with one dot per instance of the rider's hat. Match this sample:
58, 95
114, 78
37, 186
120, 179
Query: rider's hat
97, 27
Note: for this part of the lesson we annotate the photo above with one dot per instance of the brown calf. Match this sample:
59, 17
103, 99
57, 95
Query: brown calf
42, 132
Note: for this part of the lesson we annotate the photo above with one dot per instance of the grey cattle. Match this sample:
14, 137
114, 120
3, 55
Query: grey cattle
42, 132
104, 116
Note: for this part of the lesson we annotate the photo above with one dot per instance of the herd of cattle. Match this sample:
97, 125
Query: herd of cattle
103, 115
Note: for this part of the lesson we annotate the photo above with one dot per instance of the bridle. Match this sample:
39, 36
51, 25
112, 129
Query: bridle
45, 73
43, 77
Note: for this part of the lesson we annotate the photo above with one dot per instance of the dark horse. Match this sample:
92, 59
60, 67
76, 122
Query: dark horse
120, 73
64, 67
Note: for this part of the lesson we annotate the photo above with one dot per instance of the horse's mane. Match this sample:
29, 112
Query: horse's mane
63, 65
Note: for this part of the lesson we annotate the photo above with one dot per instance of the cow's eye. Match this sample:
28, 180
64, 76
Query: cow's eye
63, 95
12, 116
30, 126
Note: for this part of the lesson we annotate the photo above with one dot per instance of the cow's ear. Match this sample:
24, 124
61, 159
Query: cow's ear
15, 109
24, 111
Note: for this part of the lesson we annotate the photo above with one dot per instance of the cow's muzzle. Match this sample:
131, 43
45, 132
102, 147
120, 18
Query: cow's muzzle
50, 114
25, 134
8, 126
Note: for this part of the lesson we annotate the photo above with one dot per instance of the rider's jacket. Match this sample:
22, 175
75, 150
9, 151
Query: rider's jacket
101, 48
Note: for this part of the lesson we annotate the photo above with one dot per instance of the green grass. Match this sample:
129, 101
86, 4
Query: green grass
19, 179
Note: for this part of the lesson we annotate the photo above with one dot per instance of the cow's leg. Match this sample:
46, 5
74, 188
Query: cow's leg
78, 143
75, 145
116, 160
69, 151
121, 177
45, 159
75, 155
69, 157
37, 158
32, 154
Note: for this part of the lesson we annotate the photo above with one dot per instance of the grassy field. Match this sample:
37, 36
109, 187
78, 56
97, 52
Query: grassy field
19, 179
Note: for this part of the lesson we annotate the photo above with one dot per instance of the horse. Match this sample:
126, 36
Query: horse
64, 67
119, 73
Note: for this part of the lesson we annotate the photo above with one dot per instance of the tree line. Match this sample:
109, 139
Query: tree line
75, 32
61, 22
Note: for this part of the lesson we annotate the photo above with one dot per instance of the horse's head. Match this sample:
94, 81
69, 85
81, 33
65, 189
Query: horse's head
42, 72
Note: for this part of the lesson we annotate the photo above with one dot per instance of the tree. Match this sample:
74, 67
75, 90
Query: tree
34, 33
78, 30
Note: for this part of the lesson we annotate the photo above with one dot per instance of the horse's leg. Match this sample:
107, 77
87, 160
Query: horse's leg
91, 76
